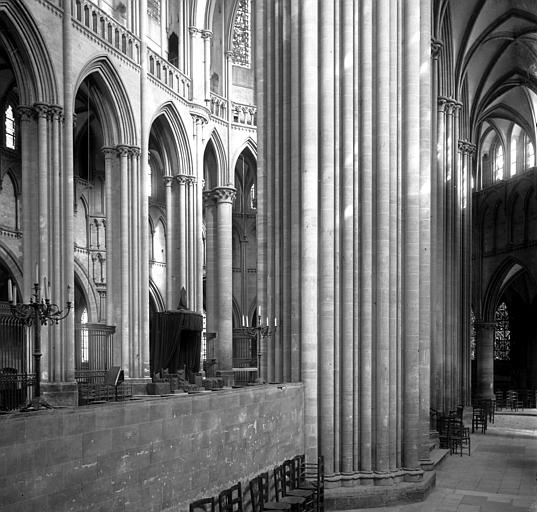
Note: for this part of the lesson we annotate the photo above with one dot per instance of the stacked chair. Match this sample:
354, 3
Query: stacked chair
452, 432
298, 487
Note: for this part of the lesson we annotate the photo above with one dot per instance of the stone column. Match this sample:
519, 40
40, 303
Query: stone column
206, 36
181, 249
224, 197
26, 129
123, 338
136, 264
211, 259
484, 333
191, 243
170, 242
109, 158
67, 289
55, 254
198, 72
143, 212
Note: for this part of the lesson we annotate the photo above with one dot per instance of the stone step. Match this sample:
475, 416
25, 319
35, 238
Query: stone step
436, 456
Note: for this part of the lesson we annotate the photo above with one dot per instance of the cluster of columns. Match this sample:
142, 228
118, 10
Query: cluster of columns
343, 226
181, 243
44, 182
218, 204
126, 244
451, 244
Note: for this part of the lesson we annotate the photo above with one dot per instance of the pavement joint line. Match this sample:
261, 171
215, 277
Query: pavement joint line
487, 494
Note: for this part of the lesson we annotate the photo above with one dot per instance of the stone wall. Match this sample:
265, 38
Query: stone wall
147, 455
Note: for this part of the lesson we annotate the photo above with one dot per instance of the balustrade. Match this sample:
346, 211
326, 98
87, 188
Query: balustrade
168, 75
218, 106
244, 114
107, 29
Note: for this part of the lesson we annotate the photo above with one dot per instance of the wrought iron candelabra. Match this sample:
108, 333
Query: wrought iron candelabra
39, 311
261, 332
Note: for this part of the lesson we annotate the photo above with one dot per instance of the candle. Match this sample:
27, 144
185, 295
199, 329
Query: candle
259, 311
14, 293
9, 291
246, 320
275, 322
243, 322
68, 293
45, 287
36, 274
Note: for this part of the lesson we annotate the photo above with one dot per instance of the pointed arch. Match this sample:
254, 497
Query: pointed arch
110, 97
222, 176
90, 294
173, 138
27, 52
510, 268
250, 144
156, 296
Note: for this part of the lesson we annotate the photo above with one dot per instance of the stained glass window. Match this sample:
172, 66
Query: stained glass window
153, 9
242, 35
530, 153
513, 155
502, 334
472, 335
10, 127
84, 342
498, 163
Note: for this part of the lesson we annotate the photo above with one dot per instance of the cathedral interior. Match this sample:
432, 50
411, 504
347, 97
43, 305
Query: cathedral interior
281, 226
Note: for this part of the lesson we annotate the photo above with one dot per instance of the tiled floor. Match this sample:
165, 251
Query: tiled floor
499, 476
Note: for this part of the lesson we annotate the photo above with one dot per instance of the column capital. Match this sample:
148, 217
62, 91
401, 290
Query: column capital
168, 180
25, 112
182, 179
224, 194
108, 151
135, 151
41, 110
194, 30
442, 103
123, 150
206, 34
56, 112
466, 146
436, 48
208, 199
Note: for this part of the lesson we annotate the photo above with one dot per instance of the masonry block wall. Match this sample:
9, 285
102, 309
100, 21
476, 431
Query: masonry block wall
147, 455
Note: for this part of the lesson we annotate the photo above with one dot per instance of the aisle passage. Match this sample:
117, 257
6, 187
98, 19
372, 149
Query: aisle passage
499, 476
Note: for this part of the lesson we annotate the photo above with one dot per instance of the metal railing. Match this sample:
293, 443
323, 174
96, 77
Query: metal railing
16, 371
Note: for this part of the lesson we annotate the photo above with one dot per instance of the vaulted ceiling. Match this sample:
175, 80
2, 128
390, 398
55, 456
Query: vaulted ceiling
493, 54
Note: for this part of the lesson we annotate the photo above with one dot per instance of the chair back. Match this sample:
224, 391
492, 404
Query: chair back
230, 500
256, 497
202, 505
279, 487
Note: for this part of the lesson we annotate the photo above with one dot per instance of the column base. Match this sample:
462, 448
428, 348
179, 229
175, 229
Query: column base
228, 376
377, 489
60, 394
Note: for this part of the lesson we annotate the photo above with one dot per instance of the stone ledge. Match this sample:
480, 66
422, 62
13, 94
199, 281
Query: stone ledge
436, 457
365, 496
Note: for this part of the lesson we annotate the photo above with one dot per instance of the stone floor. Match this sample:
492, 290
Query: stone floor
499, 476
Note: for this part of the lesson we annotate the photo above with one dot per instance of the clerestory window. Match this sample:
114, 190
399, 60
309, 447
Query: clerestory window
9, 126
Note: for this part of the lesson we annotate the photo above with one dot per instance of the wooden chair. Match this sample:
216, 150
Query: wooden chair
230, 500
259, 495
202, 505
310, 475
500, 399
298, 503
479, 419
459, 436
